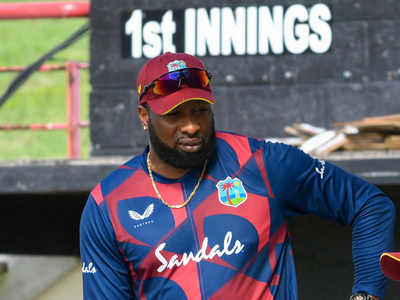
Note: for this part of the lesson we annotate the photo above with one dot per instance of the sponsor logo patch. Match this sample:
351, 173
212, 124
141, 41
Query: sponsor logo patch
141, 217
137, 216
176, 65
231, 192
205, 253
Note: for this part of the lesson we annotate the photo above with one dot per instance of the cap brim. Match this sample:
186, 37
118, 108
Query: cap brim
163, 105
390, 265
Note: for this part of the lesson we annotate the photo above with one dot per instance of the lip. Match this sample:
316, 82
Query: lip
190, 144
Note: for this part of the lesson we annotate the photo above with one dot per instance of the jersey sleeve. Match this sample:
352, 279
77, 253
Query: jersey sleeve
311, 186
104, 272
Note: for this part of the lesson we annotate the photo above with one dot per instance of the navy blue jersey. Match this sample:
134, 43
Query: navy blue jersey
231, 240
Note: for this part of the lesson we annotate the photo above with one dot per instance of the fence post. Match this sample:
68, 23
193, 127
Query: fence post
73, 110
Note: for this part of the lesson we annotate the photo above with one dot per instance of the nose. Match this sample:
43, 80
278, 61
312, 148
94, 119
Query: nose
189, 125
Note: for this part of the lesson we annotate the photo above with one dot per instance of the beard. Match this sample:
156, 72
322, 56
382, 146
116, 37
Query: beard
180, 159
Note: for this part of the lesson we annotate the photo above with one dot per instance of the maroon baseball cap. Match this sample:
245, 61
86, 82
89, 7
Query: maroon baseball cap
390, 265
161, 65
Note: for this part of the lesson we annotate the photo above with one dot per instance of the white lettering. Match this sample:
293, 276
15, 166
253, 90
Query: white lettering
134, 28
190, 31
90, 268
296, 35
321, 40
251, 30
151, 36
270, 28
233, 31
200, 255
186, 258
225, 31
161, 258
208, 31
322, 170
168, 28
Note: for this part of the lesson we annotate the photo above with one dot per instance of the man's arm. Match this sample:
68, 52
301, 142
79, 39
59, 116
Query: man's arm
312, 186
372, 234
104, 272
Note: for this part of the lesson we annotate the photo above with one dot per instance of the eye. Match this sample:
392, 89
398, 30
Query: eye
202, 109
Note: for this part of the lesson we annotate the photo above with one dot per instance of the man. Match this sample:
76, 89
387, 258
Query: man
203, 215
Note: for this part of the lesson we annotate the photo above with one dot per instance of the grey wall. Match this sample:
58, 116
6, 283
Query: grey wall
261, 99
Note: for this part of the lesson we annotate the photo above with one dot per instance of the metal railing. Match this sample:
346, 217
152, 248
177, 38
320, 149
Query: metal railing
73, 124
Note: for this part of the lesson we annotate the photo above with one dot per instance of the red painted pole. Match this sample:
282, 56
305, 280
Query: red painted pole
73, 110
44, 68
32, 10
38, 126
34, 126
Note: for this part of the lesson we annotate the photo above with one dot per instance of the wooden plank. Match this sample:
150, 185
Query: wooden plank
370, 146
389, 123
372, 121
333, 144
393, 141
386, 117
293, 131
366, 137
317, 141
308, 129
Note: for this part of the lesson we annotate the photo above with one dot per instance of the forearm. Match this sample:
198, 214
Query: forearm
372, 235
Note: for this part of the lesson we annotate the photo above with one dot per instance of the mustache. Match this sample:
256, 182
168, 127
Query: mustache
190, 138
196, 135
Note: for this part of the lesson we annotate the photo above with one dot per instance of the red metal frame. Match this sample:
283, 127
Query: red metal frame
73, 124
33, 10
73, 110
44, 68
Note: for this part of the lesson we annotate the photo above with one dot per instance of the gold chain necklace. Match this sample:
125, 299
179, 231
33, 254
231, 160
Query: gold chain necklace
158, 193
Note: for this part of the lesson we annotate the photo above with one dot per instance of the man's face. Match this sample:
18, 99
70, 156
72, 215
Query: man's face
185, 137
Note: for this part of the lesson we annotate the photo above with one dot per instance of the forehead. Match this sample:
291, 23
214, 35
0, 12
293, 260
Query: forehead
193, 103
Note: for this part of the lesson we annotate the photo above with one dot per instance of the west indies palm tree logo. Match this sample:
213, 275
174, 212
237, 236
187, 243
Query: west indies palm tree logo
231, 191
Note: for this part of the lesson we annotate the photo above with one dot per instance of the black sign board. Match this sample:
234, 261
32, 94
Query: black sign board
227, 31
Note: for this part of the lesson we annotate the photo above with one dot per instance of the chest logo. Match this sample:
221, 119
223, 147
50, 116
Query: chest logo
137, 216
231, 192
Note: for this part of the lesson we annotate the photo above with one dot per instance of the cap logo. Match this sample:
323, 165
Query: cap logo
176, 65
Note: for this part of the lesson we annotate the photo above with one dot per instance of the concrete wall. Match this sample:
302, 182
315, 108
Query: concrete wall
28, 277
66, 288
256, 94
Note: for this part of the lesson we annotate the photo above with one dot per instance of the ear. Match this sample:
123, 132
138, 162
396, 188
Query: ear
143, 116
